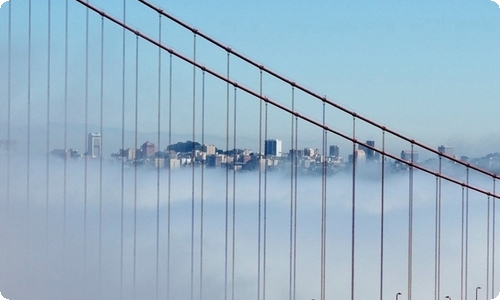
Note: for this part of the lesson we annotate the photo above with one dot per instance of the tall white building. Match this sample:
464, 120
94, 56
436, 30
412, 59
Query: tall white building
94, 145
273, 148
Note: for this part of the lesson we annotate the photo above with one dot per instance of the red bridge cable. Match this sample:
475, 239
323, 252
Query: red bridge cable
307, 119
311, 93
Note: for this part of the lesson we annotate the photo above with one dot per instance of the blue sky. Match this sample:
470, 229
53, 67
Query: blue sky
428, 69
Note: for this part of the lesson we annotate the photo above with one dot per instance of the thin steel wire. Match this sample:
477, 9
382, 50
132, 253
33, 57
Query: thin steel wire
291, 240
466, 237
47, 133
85, 179
202, 180
9, 102
493, 229
158, 164
353, 213
488, 249
264, 262
28, 138
410, 224
259, 238
122, 179
437, 241
323, 209
65, 171
227, 186
193, 158
101, 127
134, 271
462, 251
382, 215
169, 194
233, 240
295, 213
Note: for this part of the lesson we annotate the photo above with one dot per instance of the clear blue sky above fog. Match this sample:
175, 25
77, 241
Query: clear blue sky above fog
430, 69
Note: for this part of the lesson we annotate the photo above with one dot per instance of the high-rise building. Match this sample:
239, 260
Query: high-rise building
148, 150
446, 150
209, 149
408, 155
272, 147
94, 145
334, 151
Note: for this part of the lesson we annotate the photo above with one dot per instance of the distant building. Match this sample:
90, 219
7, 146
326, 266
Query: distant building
273, 148
94, 145
208, 149
148, 150
445, 150
359, 156
409, 156
334, 151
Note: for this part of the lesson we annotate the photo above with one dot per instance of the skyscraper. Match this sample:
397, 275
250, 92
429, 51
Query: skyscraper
94, 145
334, 151
272, 147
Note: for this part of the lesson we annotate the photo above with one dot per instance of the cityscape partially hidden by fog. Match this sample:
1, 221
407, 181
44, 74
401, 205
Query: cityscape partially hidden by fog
182, 152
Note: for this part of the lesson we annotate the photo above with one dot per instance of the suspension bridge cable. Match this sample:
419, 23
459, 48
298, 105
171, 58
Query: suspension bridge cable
493, 225
233, 240
265, 209
295, 212
290, 264
282, 107
437, 236
227, 184
382, 220
169, 174
259, 239
65, 172
488, 249
410, 224
9, 102
202, 180
47, 142
85, 191
309, 92
100, 155
157, 163
193, 158
466, 235
122, 183
462, 239
323, 209
28, 138
353, 213
135, 163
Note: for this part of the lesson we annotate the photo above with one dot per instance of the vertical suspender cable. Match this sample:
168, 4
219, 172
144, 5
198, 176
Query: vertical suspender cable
410, 224
382, 220
169, 174
353, 213
193, 158
158, 164
488, 249
437, 250
65, 187
122, 183
47, 145
202, 180
462, 239
293, 151
265, 212
295, 211
466, 235
259, 166
100, 155
233, 252
493, 229
227, 184
28, 138
135, 165
9, 101
323, 208
86, 148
